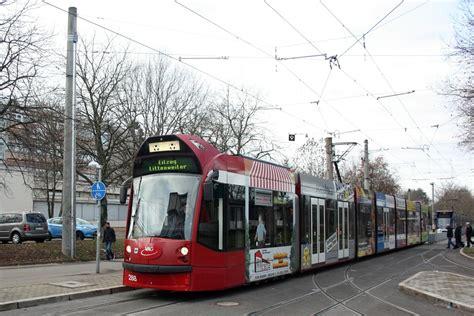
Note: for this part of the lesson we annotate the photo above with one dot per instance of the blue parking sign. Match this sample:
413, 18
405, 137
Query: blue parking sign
98, 190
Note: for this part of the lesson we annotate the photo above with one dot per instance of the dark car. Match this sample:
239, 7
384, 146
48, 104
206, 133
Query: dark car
18, 227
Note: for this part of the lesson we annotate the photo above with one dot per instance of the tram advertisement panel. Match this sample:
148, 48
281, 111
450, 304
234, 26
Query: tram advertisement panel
269, 262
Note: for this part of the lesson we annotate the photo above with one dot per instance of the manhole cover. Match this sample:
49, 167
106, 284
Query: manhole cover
72, 284
227, 304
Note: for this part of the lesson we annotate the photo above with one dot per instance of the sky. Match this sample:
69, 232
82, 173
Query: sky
383, 48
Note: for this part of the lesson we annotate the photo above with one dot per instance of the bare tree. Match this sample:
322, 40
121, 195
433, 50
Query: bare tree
310, 158
417, 195
233, 126
381, 178
105, 128
459, 87
22, 56
168, 100
455, 197
40, 145
22, 51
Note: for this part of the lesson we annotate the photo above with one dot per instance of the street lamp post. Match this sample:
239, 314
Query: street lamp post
95, 164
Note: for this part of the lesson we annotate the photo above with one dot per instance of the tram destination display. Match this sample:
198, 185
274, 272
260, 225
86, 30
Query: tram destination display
165, 164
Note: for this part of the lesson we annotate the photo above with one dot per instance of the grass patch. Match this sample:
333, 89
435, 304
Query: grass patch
50, 252
469, 251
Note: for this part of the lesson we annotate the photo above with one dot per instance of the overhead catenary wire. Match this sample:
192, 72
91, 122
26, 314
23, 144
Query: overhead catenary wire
336, 63
363, 35
159, 52
382, 74
195, 68
376, 28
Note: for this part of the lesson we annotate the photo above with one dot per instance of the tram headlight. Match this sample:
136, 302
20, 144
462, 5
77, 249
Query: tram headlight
184, 250
128, 249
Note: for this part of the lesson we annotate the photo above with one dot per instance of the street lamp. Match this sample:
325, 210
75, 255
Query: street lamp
95, 165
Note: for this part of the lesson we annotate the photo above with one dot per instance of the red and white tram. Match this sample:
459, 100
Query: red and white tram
203, 220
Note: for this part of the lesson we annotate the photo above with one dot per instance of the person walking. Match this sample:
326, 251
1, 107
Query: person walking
468, 234
457, 236
449, 234
108, 239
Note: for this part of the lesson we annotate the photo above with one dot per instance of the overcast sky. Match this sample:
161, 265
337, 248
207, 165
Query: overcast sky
405, 51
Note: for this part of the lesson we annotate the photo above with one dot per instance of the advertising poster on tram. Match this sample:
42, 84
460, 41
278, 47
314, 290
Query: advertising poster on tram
269, 262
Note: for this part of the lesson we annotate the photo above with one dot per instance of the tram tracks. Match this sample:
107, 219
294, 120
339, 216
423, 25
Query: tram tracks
95, 308
392, 272
350, 281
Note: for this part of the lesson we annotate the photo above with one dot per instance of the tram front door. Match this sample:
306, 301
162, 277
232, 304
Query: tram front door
318, 232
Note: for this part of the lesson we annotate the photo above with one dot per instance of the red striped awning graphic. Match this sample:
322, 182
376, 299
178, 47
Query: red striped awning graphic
270, 177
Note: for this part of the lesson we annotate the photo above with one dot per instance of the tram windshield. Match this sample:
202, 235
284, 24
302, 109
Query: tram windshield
163, 206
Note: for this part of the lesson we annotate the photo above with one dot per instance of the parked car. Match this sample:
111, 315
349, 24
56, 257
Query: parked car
84, 229
22, 226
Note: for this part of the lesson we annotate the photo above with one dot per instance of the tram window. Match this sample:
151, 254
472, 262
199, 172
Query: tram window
208, 231
235, 217
283, 218
270, 218
401, 221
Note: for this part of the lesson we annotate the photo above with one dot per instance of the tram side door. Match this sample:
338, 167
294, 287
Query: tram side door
318, 231
343, 229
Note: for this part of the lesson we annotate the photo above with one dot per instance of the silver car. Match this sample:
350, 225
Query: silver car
18, 227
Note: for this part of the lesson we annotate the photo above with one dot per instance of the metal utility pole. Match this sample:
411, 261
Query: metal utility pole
432, 207
366, 165
97, 249
329, 172
69, 165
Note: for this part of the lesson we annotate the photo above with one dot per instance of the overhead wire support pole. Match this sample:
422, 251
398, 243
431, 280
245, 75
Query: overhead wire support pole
69, 168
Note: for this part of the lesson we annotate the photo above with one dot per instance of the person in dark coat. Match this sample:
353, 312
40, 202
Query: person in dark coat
457, 236
468, 234
449, 234
108, 239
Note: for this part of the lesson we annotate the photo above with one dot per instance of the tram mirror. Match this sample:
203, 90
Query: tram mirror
208, 191
124, 189
123, 194
209, 186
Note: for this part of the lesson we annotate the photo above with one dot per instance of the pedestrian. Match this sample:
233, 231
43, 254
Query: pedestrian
108, 239
449, 234
457, 236
468, 234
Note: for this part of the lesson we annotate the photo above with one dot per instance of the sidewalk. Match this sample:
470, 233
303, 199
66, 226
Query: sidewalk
24, 286
454, 290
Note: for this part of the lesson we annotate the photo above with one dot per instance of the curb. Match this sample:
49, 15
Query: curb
463, 254
5, 306
433, 297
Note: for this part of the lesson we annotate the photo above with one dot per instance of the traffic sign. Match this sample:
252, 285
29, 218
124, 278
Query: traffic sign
98, 190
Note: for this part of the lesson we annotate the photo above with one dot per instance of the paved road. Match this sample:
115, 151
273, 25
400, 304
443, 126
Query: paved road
368, 287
